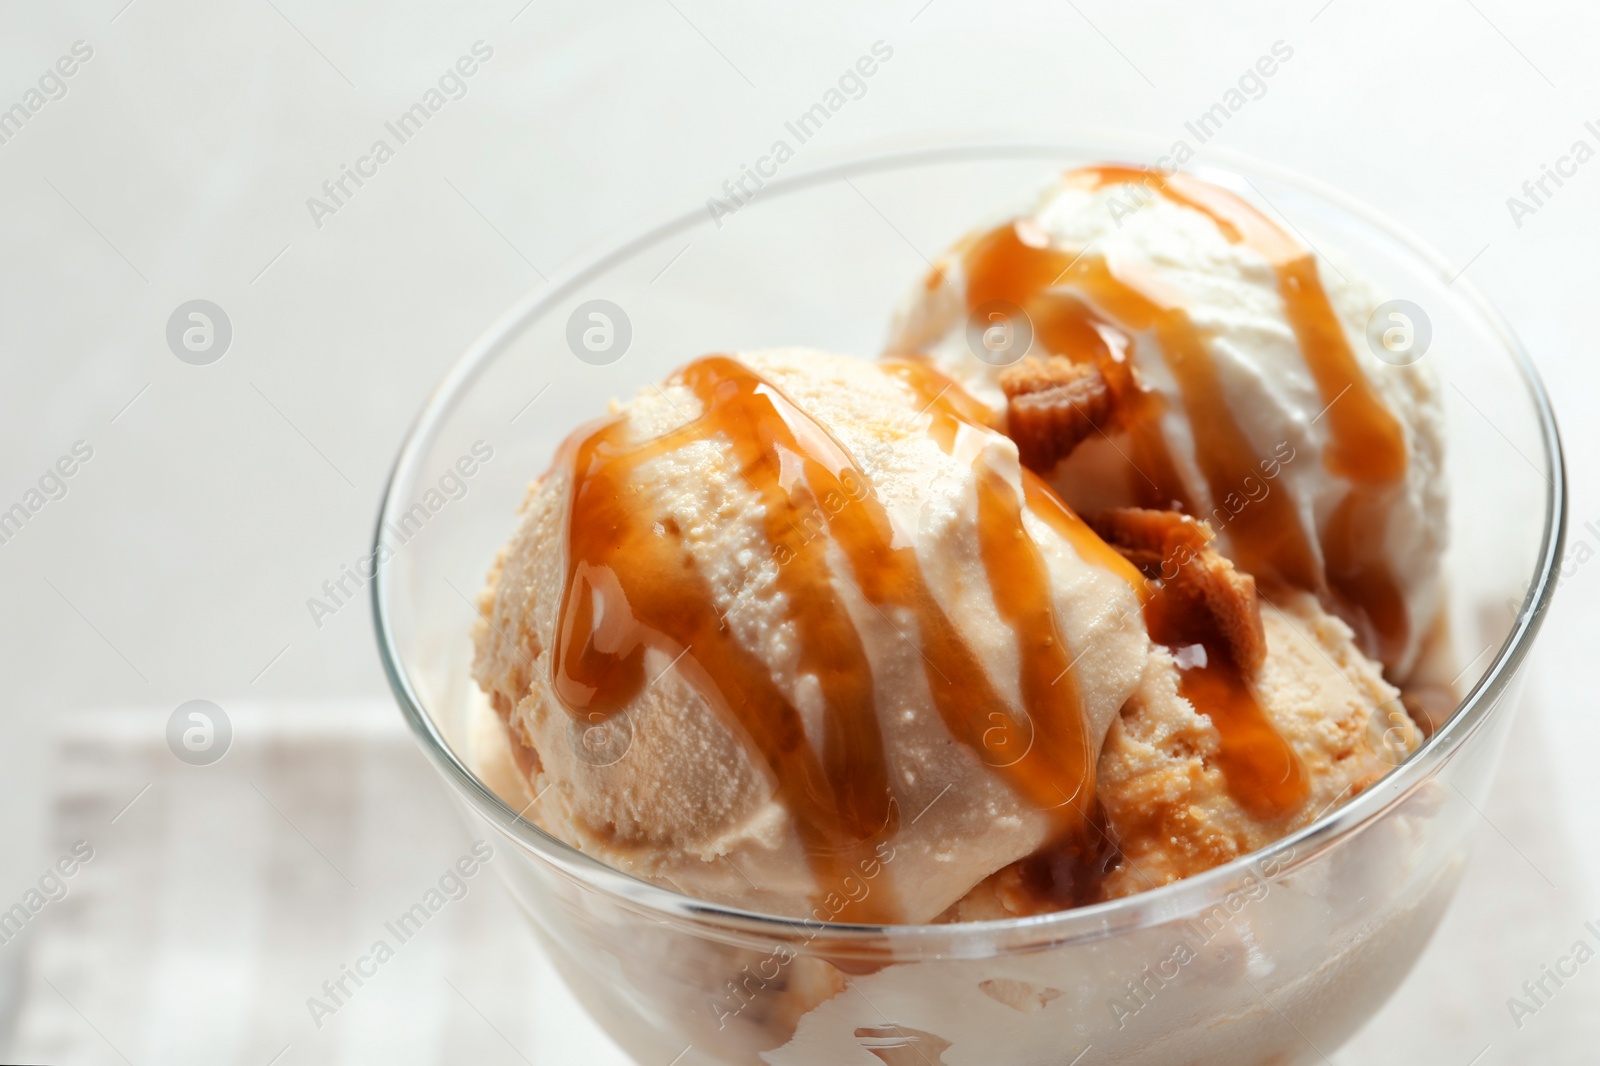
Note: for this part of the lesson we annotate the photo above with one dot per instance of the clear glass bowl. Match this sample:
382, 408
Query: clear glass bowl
1277, 957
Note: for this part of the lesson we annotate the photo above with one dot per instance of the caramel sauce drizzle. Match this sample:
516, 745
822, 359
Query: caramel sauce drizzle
1069, 869
1261, 770
951, 407
1086, 309
1366, 443
1000, 265
632, 588
1082, 305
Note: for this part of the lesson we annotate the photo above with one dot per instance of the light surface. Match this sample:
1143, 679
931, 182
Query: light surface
178, 165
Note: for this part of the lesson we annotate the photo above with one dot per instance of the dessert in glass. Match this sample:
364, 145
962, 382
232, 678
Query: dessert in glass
1084, 674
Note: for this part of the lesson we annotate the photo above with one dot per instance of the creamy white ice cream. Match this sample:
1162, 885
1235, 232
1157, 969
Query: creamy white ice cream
1217, 311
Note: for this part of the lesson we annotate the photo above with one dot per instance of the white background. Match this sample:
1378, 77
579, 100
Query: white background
178, 167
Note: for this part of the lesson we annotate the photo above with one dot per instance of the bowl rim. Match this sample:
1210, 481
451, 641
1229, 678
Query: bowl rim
1182, 898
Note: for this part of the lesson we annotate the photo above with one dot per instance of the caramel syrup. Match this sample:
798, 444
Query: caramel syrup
1057, 289
1087, 309
1070, 868
1260, 769
632, 588
1366, 445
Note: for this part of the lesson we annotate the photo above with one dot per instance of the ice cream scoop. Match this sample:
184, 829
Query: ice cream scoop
798, 632
1158, 341
790, 632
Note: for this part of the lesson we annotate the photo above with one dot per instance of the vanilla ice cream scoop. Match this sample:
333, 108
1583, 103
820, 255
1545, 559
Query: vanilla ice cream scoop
1231, 379
797, 632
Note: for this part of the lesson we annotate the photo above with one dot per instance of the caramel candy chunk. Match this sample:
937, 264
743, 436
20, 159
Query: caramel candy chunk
1052, 405
1175, 550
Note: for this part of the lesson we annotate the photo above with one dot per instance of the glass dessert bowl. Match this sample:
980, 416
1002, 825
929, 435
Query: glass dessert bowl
1275, 956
